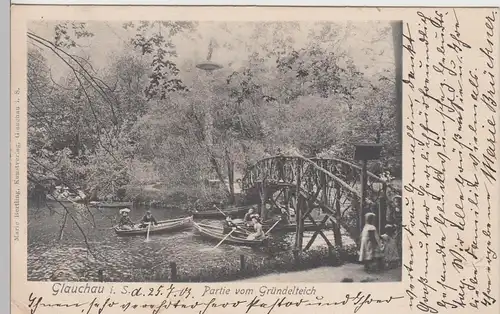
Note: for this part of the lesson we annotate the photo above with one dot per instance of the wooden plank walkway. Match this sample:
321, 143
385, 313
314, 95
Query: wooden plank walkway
331, 274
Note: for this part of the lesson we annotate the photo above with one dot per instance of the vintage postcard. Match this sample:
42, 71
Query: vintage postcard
254, 160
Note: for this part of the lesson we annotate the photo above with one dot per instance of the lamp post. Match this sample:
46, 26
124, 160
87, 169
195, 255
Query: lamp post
365, 152
397, 35
209, 67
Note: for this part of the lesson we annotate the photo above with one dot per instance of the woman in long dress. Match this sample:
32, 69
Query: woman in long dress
125, 222
259, 233
370, 250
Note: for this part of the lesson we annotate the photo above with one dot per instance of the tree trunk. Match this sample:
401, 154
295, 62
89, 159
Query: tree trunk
218, 171
93, 194
74, 145
61, 231
230, 175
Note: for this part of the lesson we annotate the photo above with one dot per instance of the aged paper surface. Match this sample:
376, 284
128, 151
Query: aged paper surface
449, 187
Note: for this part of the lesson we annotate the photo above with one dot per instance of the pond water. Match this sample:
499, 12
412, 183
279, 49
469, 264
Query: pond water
52, 257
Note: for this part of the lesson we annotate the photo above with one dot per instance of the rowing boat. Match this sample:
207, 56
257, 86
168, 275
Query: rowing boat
67, 199
234, 212
111, 204
215, 233
292, 227
308, 226
163, 226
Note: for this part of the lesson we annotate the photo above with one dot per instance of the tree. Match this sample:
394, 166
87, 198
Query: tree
315, 123
154, 39
148, 110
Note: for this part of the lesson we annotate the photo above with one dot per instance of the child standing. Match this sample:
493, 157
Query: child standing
391, 254
370, 250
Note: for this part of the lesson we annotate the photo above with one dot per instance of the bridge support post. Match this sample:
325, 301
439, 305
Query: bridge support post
325, 196
382, 209
356, 206
362, 206
263, 198
336, 226
286, 200
299, 233
365, 152
281, 169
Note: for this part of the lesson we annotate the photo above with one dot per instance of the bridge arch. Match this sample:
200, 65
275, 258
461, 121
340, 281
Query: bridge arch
331, 186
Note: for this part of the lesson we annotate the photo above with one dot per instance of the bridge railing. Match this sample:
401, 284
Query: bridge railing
330, 184
282, 168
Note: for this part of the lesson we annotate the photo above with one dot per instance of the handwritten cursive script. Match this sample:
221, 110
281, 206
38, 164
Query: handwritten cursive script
451, 110
185, 302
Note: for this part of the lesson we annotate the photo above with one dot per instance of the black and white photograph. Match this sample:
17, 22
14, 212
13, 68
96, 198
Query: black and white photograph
214, 151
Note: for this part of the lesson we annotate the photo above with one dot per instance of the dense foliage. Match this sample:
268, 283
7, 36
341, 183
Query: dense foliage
151, 123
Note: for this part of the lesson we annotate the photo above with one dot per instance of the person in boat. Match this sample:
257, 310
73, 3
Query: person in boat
197, 205
228, 225
291, 212
248, 216
285, 219
271, 212
125, 221
257, 226
147, 219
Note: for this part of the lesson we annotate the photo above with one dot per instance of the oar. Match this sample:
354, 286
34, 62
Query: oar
237, 227
272, 227
223, 213
147, 233
227, 236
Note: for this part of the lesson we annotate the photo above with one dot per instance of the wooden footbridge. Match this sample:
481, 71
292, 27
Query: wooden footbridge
330, 186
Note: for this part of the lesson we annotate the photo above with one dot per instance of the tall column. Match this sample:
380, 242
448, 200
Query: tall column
397, 35
362, 207
298, 207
